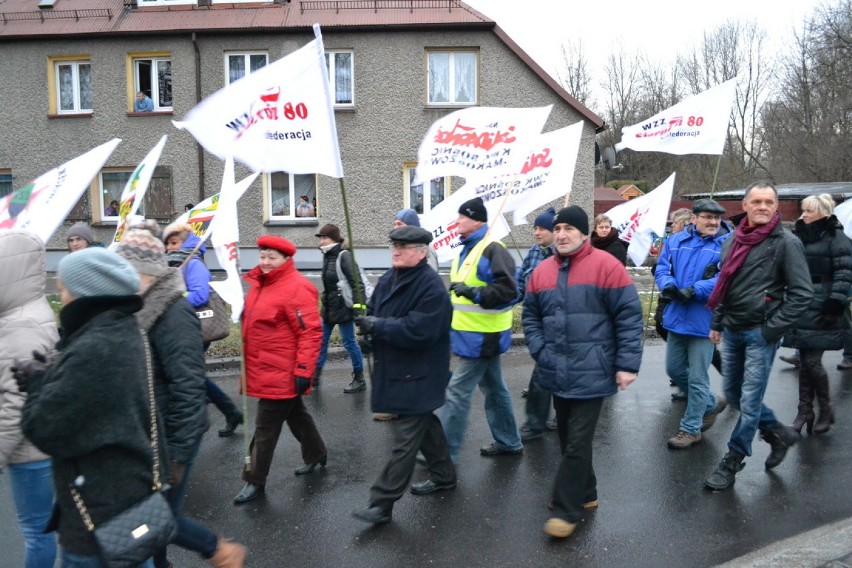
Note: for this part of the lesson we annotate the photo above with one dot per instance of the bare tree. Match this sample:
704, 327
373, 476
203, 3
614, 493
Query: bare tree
574, 75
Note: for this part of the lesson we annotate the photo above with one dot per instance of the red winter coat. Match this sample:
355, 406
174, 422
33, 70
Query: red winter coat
282, 331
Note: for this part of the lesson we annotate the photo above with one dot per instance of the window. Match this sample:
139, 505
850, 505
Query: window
108, 185
290, 196
70, 85
105, 200
452, 77
5, 182
439, 189
238, 65
153, 76
340, 75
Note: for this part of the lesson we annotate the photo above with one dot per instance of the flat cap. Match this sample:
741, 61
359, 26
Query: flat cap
280, 244
708, 206
410, 234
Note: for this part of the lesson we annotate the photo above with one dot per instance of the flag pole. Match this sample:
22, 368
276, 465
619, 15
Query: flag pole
243, 382
715, 176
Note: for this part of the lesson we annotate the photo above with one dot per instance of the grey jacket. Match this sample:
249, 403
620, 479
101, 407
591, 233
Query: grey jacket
772, 290
26, 323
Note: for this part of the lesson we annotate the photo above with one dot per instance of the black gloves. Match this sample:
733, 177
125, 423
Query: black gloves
464, 291
302, 385
669, 292
711, 271
365, 342
682, 295
24, 371
366, 324
833, 307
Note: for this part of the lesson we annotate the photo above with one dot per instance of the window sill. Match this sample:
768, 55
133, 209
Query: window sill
153, 112
104, 223
442, 106
72, 115
348, 108
311, 222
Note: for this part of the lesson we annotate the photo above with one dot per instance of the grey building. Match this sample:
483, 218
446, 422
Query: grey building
72, 69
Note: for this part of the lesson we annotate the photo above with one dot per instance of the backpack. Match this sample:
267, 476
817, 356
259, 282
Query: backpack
343, 282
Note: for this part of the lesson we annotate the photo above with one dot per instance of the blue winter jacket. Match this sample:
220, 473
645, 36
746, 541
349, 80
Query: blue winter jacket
196, 275
684, 262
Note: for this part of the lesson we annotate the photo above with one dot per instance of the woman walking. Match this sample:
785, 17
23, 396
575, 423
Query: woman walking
825, 325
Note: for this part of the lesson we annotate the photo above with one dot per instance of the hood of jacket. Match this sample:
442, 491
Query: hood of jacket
21, 269
159, 298
191, 241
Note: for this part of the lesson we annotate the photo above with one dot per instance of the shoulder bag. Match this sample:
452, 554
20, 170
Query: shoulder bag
213, 317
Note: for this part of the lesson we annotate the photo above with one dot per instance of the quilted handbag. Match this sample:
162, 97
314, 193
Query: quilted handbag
213, 317
138, 533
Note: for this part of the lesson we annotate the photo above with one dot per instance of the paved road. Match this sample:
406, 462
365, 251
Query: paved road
653, 510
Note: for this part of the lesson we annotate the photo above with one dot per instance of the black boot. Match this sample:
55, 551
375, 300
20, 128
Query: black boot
725, 473
358, 383
806, 403
233, 418
826, 414
780, 438
317, 375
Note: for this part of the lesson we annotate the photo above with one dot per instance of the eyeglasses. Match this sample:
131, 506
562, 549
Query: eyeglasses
401, 246
710, 217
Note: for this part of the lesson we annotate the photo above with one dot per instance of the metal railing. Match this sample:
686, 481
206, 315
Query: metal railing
56, 15
376, 5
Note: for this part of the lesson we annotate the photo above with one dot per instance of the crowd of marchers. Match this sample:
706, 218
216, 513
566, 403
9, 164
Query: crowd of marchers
731, 292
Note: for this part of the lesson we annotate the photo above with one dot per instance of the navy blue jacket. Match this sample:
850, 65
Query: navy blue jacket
411, 341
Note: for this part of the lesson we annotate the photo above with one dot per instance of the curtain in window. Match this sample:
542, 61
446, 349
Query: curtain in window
257, 61
465, 76
439, 77
437, 193
343, 78
164, 83
280, 194
85, 72
236, 67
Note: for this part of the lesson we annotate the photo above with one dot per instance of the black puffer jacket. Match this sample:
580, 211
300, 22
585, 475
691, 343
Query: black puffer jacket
179, 366
91, 414
829, 254
334, 309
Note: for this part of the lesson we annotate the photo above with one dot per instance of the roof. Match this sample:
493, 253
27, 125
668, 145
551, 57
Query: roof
21, 19
841, 189
607, 194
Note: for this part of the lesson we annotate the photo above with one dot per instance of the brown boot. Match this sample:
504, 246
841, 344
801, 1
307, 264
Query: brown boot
228, 555
826, 415
805, 416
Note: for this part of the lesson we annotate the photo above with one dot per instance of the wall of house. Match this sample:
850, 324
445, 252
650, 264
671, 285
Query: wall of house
382, 132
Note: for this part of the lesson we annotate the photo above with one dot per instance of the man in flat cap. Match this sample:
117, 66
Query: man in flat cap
686, 273
483, 291
408, 330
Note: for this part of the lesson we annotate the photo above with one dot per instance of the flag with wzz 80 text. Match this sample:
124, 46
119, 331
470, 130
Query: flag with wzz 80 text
697, 125
279, 118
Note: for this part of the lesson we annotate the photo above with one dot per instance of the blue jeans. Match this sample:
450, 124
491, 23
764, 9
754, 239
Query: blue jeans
498, 403
687, 359
747, 359
347, 337
76, 561
32, 491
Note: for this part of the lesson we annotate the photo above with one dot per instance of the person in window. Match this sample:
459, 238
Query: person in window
112, 210
143, 103
304, 208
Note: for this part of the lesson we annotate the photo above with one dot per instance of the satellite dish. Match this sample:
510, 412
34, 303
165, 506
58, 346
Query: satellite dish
608, 158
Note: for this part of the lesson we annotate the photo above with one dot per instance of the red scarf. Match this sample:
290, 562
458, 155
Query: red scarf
745, 237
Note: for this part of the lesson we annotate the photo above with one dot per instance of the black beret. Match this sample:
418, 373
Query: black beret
410, 234
708, 206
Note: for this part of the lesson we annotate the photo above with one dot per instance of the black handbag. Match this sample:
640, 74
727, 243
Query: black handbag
138, 533
215, 324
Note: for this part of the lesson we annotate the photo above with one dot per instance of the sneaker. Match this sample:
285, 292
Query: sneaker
525, 393
725, 473
790, 359
551, 424
845, 365
679, 395
710, 418
780, 438
559, 528
495, 449
683, 440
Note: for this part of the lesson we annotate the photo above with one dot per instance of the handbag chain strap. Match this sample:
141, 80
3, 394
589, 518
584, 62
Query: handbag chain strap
155, 445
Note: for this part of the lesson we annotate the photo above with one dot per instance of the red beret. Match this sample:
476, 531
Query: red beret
280, 244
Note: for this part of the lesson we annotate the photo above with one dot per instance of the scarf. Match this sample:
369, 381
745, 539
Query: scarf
745, 238
603, 242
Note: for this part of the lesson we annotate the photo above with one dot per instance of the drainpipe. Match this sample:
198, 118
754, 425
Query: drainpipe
198, 100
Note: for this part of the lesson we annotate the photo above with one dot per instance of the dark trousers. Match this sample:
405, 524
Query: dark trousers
422, 432
538, 404
271, 415
575, 479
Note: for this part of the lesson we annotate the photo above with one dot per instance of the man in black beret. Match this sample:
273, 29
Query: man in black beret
408, 331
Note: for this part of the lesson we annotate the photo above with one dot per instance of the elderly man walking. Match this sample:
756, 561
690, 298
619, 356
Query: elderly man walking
763, 289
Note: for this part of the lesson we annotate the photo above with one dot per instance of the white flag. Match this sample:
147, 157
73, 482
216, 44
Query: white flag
225, 236
478, 142
697, 125
42, 205
279, 118
200, 216
843, 212
641, 220
134, 190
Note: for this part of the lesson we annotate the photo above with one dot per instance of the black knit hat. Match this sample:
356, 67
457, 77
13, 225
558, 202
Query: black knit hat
575, 217
475, 209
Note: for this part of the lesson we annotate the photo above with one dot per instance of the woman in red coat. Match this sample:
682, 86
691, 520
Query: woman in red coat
282, 333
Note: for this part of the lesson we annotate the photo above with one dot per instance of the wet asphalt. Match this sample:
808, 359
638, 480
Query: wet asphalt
653, 509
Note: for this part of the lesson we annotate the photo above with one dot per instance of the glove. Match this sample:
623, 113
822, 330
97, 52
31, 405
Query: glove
711, 271
669, 293
302, 385
833, 307
24, 371
366, 324
464, 291
684, 295
365, 342
176, 472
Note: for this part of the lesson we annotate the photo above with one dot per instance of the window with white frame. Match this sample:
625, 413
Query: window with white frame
452, 77
423, 201
291, 196
73, 86
5, 182
238, 65
153, 76
341, 76
107, 194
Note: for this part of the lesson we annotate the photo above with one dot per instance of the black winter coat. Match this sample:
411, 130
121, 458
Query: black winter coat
411, 341
334, 309
611, 244
90, 412
829, 254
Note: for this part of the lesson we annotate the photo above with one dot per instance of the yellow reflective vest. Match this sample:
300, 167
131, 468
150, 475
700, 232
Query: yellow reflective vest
468, 316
